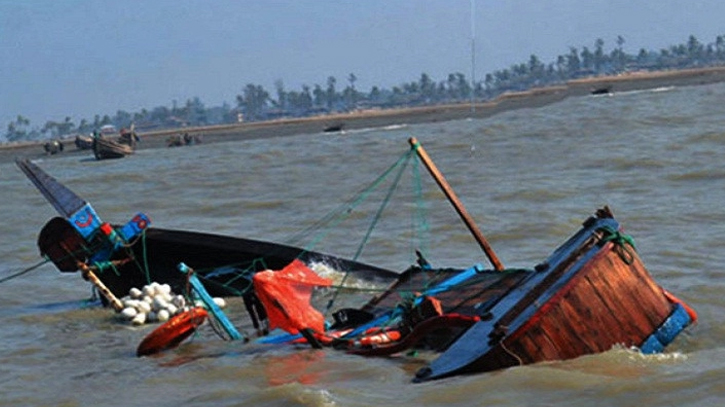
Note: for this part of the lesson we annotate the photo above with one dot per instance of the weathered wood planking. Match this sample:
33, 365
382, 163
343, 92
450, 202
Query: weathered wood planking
608, 302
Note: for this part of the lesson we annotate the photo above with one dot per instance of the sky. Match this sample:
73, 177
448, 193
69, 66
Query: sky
79, 58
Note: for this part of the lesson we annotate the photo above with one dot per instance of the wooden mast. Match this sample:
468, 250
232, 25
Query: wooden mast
443, 184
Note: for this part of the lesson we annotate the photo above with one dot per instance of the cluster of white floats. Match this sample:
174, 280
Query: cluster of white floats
155, 303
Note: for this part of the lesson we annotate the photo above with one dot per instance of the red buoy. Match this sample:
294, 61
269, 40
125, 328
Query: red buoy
172, 332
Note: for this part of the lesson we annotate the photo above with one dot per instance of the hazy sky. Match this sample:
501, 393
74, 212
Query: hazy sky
79, 58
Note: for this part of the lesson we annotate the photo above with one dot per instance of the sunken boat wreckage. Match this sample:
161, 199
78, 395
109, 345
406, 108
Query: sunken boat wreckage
591, 294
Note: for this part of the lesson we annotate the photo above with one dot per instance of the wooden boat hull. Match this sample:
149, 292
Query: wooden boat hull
108, 149
592, 294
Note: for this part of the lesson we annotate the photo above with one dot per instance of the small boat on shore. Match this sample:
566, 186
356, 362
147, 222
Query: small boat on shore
590, 295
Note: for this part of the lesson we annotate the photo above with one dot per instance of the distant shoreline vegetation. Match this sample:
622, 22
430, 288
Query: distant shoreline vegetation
256, 104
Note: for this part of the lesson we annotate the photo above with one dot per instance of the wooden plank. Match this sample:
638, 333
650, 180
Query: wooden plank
630, 322
637, 303
602, 319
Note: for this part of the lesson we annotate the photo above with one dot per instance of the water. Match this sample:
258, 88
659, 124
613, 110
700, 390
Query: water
529, 178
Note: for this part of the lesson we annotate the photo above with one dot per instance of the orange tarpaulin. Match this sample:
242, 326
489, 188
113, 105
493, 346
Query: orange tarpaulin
286, 297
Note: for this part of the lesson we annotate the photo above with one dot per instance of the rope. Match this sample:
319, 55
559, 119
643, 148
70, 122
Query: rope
344, 210
27, 270
103, 265
145, 257
623, 242
419, 219
379, 213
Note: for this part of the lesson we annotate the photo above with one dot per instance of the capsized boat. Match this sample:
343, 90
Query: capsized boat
591, 294
136, 254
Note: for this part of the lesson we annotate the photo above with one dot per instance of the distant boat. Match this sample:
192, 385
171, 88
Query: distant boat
334, 128
604, 90
104, 148
84, 142
185, 140
53, 147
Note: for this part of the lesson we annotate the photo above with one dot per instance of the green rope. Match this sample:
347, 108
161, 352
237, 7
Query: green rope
623, 241
105, 265
614, 235
379, 213
146, 257
402, 163
343, 211
419, 220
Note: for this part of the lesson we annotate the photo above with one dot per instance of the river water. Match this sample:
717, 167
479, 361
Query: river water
528, 178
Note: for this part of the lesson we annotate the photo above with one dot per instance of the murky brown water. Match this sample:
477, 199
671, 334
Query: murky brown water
528, 178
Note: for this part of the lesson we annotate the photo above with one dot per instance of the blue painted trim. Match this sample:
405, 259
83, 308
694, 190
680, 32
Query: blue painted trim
209, 303
134, 227
85, 220
678, 320
453, 281
278, 339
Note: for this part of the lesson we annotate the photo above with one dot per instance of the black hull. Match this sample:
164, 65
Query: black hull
223, 263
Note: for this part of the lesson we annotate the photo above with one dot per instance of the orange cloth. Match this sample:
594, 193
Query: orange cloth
286, 297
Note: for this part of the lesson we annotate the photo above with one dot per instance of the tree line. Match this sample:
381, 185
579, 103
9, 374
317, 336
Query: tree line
255, 103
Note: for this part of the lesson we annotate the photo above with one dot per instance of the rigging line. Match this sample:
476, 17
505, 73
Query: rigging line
337, 215
144, 253
27, 270
349, 205
419, 217
377, 217
379, 213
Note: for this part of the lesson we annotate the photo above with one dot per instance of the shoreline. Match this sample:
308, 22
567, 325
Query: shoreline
534, 98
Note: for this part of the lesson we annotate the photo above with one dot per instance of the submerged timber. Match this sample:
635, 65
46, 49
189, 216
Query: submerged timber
591, 294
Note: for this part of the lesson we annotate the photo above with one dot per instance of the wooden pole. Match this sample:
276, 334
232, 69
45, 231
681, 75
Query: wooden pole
89, 275
443, 184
